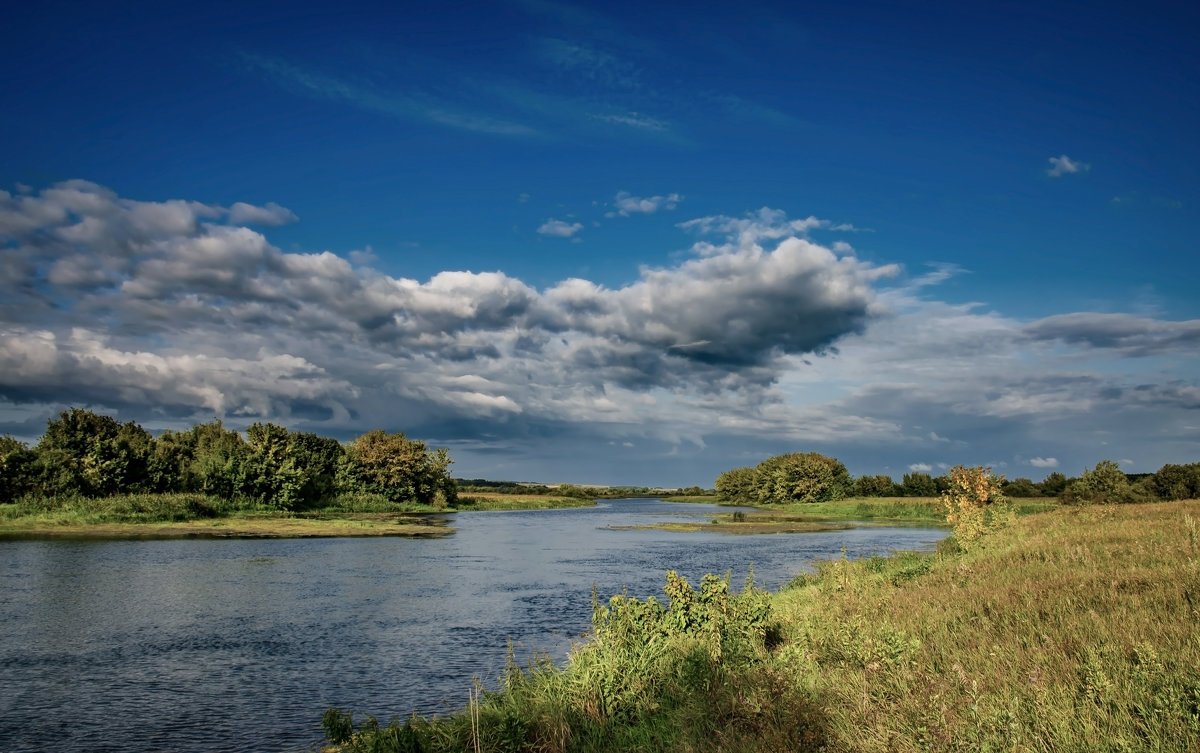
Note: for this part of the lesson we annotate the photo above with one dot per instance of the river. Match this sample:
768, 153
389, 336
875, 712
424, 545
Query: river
240, 645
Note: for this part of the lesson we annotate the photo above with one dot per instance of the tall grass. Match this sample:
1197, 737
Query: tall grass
1074, 630
122, 508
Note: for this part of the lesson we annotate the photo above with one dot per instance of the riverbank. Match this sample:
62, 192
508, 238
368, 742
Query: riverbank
198, 515
1070, 630
247, 526
832, 516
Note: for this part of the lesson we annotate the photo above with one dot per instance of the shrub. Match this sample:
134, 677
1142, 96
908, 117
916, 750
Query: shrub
1103, 485
974, 503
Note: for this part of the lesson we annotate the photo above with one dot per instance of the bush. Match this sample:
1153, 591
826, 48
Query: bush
1103, 485
974, 503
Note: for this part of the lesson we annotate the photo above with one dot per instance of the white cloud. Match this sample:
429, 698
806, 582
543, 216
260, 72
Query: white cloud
270, 214
167, 306
560, 228
1064, 165
627, 204
1044, 462
920, 467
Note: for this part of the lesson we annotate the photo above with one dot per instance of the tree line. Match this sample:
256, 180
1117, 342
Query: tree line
86, 454
812, 477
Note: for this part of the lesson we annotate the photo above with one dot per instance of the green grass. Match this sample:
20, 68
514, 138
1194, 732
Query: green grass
172, 515
1073, 630
499, 501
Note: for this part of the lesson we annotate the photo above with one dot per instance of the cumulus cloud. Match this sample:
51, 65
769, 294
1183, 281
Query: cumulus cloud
920, 467
174, 303
1044, 462
1064, 165
627, 204
761, 340
560, 228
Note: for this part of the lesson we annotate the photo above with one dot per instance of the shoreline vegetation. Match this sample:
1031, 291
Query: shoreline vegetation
1071, 629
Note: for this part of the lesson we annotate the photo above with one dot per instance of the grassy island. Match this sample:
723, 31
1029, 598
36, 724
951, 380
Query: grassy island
1069, 630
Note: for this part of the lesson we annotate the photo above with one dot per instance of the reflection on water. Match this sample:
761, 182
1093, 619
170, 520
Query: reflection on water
234, 645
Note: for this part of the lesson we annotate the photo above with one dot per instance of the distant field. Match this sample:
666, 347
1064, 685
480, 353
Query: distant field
499, 501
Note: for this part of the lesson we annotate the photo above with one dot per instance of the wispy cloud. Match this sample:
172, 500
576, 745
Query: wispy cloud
396, 104
1064, 165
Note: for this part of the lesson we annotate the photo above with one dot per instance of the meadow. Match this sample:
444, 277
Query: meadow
1068, 630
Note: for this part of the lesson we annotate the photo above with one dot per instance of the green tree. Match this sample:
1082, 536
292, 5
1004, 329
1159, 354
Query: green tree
219, 458
271, 477
1054, 484
801, 477
1177, 481
1021, 487
737, 485
400, 469
917, 484
1104, 484
875, 486
93, 455
18, 469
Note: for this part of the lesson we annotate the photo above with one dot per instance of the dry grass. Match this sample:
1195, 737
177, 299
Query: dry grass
1070, 631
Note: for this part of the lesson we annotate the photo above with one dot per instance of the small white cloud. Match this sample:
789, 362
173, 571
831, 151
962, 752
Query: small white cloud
365, 257
560, 228
1044, 462
1064, 165
272, 214
628, 204
920, 467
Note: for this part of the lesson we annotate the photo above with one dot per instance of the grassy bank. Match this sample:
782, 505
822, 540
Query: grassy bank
1073, 630
501, 501
183, 515
188, 515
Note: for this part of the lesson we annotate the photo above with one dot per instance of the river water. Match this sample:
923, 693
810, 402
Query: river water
240, 645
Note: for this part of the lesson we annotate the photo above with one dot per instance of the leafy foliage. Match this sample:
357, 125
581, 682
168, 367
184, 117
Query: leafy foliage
1104, 484
974, 503
737, 485
803, 477
86, 455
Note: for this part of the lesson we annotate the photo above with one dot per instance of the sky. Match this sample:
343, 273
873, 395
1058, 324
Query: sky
612, 242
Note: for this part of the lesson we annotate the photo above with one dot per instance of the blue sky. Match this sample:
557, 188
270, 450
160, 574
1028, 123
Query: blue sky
613, 242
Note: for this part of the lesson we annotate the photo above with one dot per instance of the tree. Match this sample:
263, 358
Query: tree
875, 486
1054, 484
1104, 484
1021, 487
93, 455
18, 469
737, 485
401, 469
218, 460
917, 484
1177, 481
801, 477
